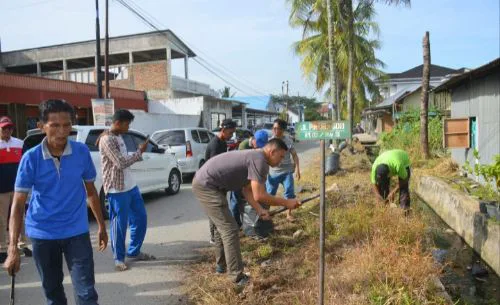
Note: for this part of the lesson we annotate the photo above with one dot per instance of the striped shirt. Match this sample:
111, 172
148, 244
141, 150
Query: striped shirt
114, 162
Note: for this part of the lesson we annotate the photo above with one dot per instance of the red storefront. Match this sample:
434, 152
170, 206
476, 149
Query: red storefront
21, 94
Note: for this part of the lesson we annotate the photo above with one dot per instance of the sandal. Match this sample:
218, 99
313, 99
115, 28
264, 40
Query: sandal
120, 266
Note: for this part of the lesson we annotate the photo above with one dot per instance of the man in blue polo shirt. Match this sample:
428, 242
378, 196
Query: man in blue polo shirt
60, 175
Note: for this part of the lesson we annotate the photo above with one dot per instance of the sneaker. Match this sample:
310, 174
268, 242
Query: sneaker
3, 257
142, 256
243, 280
27, 252
219, 269
120, 266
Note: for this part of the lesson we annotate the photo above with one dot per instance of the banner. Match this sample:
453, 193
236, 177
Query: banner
103, 110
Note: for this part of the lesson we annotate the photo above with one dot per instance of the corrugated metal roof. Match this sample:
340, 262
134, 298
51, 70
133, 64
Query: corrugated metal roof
476, 73
47, 84
387, 103
253, 102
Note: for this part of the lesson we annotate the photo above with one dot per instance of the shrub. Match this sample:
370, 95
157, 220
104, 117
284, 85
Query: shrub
406, 135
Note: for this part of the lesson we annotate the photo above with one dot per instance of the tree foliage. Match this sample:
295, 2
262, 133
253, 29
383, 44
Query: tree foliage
311, 17
311, 106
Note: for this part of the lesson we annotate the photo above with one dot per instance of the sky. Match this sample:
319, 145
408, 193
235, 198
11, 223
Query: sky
252, 40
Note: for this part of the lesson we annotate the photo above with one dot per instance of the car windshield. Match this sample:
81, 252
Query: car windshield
35, 139
172, 138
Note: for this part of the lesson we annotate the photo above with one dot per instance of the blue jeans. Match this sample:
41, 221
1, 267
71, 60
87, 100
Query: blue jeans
127, 208
286, 179
236, 205
48, 257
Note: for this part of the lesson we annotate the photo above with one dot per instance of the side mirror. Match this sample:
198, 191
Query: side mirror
158, 150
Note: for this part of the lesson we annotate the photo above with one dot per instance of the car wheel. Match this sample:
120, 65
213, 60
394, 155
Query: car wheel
174, 182
104, 204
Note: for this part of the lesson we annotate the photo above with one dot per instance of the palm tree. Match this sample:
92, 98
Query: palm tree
226, 92
311, 16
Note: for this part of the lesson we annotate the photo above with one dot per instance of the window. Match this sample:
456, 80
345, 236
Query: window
172, 138
457, 132
35, 139
217, 118
129, 143
92, 138
204, 136
195, 136
139, 139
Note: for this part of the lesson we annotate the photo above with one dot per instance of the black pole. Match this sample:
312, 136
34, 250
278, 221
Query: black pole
322, 212
106, 54
98, 50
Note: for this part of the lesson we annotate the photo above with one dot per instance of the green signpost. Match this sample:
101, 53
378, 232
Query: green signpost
322, 130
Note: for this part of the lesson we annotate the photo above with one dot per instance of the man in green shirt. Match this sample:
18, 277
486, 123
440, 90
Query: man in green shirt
392, 163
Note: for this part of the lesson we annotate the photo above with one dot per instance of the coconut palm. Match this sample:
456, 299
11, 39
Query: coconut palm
311, 16
347, 18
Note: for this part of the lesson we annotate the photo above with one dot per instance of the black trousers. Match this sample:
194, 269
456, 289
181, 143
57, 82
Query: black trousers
404, 190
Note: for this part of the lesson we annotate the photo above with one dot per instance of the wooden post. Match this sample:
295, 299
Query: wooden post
424, 104
322, 212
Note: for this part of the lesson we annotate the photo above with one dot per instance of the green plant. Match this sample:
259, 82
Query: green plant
489, 172
265, 251
406, 135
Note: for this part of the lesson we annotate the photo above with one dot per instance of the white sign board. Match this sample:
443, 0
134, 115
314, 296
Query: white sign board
103, 110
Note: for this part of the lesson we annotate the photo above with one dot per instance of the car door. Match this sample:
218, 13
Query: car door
197, 146
138, 169
205, 139
155, 174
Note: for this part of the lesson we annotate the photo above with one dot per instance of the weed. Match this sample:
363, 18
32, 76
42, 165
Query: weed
265, 251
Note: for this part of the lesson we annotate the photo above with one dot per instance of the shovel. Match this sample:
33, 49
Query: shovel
12, 288
305, 200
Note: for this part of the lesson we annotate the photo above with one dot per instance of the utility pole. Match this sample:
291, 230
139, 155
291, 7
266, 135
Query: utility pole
98, 50
331, 55
286, 99
106, 52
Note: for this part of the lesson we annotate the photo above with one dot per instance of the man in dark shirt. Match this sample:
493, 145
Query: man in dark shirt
236, 170
215, 147
218, 143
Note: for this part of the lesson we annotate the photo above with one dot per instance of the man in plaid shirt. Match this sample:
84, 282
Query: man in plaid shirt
126, 205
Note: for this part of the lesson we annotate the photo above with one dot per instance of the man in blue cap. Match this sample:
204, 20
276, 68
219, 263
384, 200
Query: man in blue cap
237, 203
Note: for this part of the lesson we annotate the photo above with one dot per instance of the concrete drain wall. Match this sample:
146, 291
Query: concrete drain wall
461, 213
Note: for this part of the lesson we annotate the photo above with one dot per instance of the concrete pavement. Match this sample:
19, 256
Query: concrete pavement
177, 226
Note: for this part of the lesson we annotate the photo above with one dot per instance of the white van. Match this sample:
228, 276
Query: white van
188, 145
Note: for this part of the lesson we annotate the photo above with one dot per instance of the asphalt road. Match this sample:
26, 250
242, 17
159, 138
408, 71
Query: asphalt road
177, 227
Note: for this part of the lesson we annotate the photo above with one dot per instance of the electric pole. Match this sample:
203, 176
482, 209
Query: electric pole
98, 50
331, 55
106, 52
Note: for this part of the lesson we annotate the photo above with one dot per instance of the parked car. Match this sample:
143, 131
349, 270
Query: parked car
240, 134
268, 127
188, 145
158, 170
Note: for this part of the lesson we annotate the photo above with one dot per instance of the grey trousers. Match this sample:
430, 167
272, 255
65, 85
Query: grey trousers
227, 238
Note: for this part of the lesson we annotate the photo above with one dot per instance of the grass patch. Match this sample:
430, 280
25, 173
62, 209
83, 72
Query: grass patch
374, 255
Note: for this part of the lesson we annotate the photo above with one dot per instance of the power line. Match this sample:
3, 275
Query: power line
202, 62
198, 50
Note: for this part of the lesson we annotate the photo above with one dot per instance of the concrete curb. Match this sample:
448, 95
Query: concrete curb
462, 214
